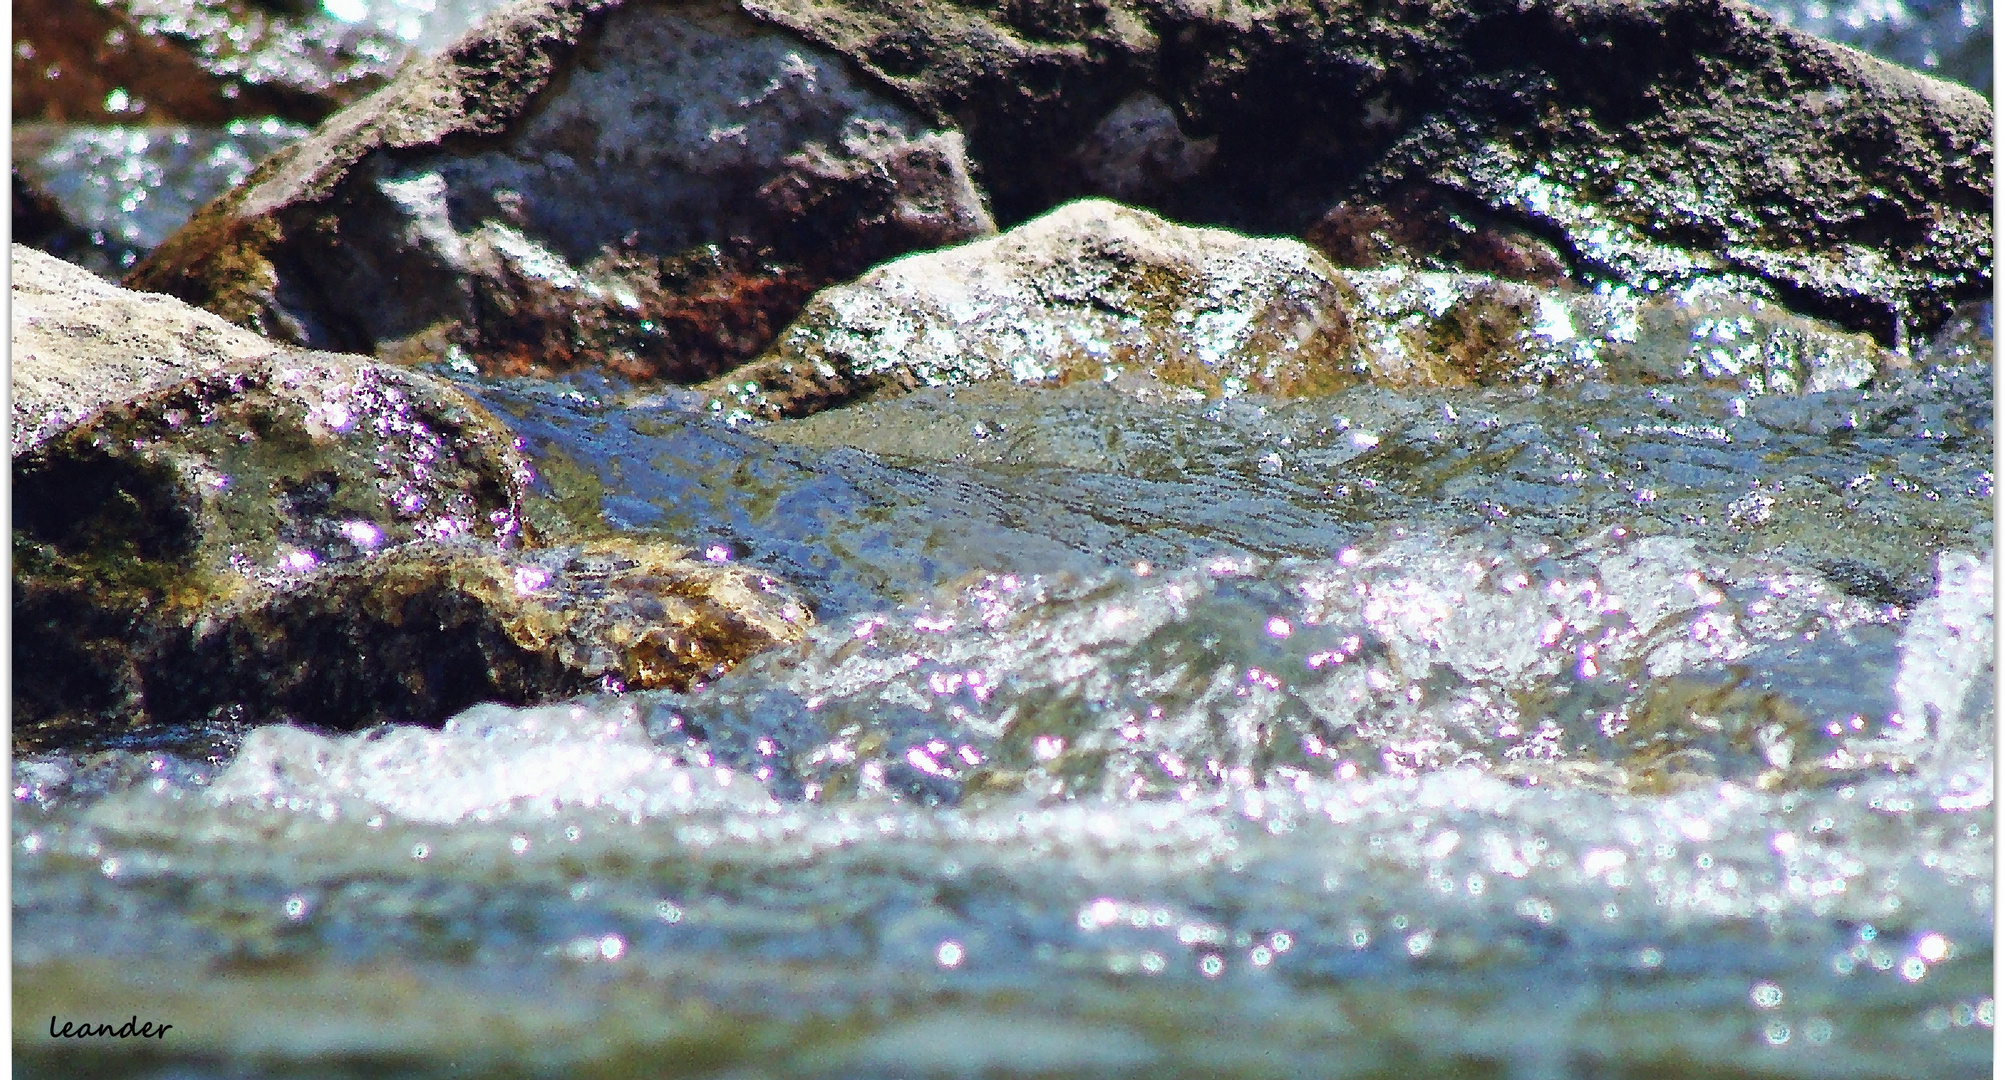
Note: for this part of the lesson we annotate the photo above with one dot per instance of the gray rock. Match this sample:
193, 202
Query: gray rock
654, 189
81, 343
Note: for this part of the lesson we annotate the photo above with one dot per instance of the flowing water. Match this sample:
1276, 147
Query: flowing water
1586, 731
1590, 731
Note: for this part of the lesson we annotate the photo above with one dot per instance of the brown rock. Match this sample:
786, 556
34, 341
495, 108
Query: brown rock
1091, 291
210, 524
654, 189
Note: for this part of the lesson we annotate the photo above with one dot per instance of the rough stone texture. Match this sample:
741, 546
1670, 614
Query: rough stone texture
81, 343
655, 189
1449, 329
1645, 144
191, 61
1643, 141
208, 523
431, 629
1093, 290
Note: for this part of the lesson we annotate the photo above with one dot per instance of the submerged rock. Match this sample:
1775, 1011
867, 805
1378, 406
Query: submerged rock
206, 521
1099, 291
1093, 290
652, 189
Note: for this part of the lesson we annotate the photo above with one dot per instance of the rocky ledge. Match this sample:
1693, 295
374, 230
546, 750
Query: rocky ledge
658, 189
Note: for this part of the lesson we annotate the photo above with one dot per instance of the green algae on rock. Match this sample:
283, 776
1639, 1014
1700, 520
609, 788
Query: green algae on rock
205, 520
1092, 291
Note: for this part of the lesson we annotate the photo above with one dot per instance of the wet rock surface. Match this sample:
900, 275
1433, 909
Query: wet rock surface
650, 189
1612, 131
1091, 291
526, 242
207, 521
1096, 291
428, 630
81, 344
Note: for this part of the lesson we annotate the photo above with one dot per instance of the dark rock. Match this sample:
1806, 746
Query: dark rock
1430, 229
569, 184
189, 61
652, 189
1646, 142
431, 629
208, 523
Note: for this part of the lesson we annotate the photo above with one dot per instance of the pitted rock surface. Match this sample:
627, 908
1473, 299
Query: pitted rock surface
653, 189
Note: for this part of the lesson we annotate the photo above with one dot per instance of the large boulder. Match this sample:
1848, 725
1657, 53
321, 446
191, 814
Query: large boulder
1099, 291
210, 524
655, 189
1648, 143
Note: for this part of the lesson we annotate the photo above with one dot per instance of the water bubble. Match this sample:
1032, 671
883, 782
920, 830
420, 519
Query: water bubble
949, 954
1765, 995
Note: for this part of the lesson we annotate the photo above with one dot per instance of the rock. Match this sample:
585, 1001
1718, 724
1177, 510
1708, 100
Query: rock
81, 344
653, 189
1093, 290
1645, 142
209, 524
1447, 329
1098, 291
1429, 229
434, 628
189, 61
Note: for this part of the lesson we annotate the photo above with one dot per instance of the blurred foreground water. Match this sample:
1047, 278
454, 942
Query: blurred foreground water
1594, 731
